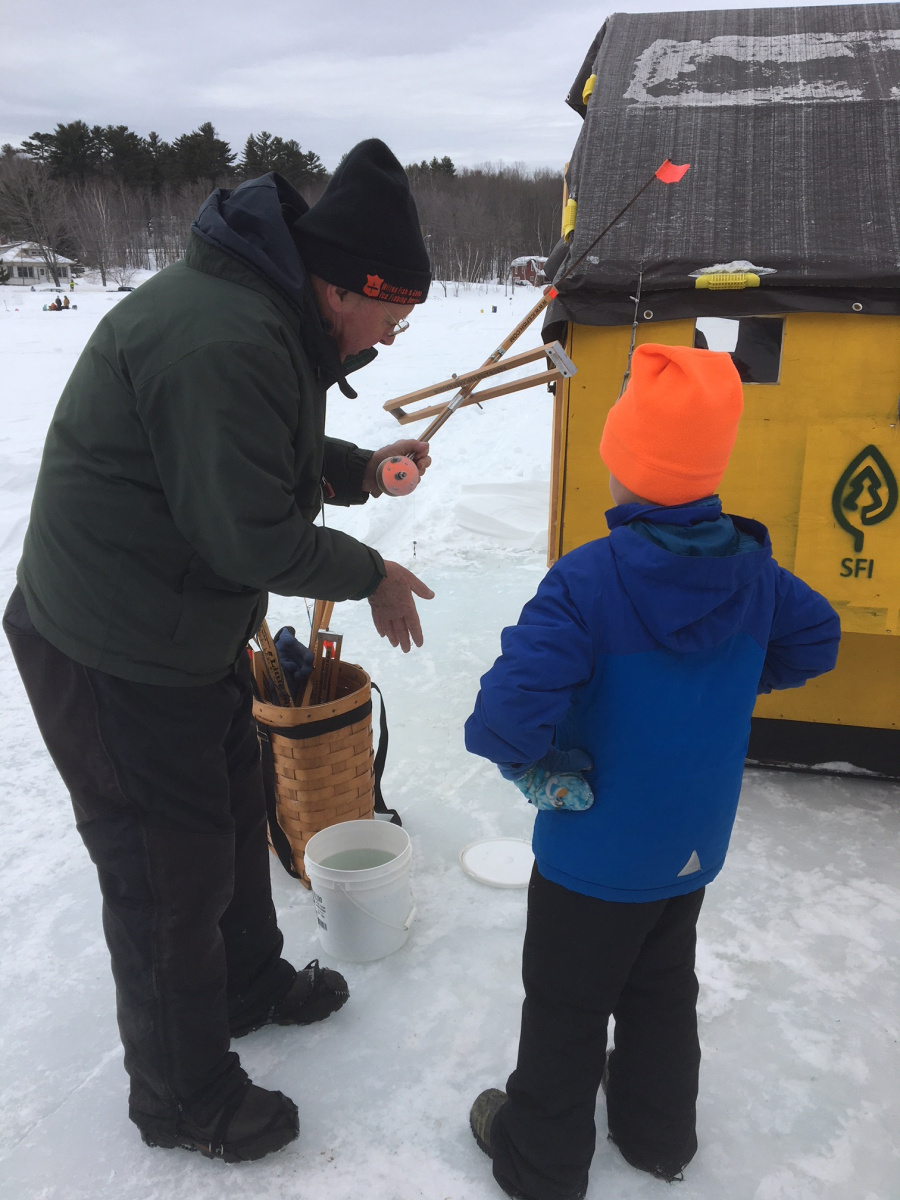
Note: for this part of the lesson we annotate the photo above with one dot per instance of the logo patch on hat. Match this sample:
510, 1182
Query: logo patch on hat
400, 295
376, 287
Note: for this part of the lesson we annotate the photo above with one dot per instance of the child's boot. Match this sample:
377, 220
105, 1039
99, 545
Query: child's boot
481, 1121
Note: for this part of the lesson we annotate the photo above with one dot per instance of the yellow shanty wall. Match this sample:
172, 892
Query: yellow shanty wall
836, 402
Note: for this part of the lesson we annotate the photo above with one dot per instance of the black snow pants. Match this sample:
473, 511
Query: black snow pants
585, 960
168, 798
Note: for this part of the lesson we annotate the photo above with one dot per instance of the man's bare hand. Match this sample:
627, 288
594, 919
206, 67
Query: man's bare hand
393, 607
417, 451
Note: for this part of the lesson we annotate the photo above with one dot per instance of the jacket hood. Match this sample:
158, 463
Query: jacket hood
690, 571
252, 224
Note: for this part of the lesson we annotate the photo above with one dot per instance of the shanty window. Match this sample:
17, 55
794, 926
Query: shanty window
754, 344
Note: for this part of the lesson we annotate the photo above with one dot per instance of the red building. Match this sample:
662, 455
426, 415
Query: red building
528, 269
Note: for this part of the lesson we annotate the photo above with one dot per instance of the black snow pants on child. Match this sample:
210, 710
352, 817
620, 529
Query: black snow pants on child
585, 960
167, 792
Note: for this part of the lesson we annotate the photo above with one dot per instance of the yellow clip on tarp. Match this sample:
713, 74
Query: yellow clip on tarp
588, 88
727, 283
568, 218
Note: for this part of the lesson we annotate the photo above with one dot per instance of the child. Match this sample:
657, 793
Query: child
620, 706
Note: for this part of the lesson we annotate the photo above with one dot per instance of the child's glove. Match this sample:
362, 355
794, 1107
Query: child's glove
295, 658
554, 781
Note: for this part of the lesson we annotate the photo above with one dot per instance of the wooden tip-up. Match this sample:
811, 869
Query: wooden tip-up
321, 619
466, 384
471, 379
562, 368
273, 667
321, 685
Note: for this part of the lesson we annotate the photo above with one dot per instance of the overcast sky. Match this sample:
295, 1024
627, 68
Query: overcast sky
480, 80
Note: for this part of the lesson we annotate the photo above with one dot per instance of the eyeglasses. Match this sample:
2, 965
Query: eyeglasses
397, 327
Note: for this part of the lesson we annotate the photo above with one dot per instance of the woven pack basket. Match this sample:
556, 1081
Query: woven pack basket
319, 765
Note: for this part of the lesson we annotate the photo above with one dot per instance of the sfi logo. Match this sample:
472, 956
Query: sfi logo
866, 494
373, 286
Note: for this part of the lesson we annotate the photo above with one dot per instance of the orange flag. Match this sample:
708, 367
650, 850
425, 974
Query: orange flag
670, 173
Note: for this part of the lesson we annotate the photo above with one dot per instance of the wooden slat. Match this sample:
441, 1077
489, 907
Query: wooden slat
463, 381
505, 389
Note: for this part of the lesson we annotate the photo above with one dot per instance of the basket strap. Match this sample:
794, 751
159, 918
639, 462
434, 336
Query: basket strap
276, 833
298, 733
380, 756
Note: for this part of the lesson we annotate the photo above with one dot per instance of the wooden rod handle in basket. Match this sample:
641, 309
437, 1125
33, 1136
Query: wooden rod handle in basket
273, 666
322, 610
321, 618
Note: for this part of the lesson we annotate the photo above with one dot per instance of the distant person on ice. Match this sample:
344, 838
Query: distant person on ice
181, 478
620, 706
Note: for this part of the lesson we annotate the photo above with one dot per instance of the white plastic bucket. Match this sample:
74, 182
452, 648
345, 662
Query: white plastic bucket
364, 912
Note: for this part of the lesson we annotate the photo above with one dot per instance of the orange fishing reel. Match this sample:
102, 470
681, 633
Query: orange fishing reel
397, 475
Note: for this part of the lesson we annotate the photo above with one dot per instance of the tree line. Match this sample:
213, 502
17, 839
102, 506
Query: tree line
117, 202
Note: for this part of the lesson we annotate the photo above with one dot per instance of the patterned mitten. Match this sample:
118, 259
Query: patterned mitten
555, 781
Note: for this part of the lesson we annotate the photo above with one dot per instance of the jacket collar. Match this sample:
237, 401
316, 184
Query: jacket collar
251, 226
322, 348
707, 509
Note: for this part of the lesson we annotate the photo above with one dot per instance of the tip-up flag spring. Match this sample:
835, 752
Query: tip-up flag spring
669, 172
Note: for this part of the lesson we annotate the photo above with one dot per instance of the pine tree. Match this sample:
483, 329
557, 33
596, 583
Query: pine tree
263, 152
438, 168
123, 155
201, 156
74, 153
162, 158
258, 155
38, 146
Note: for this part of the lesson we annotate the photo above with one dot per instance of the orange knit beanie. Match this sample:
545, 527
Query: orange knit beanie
671, 433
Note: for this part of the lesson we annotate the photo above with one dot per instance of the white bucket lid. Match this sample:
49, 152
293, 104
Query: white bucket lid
499, 862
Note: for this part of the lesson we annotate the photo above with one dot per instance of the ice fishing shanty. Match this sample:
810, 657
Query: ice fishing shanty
781, 246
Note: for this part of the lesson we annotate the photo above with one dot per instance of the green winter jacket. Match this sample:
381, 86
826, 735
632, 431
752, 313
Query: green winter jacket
182, 472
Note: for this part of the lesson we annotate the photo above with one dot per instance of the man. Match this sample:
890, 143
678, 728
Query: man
181, 476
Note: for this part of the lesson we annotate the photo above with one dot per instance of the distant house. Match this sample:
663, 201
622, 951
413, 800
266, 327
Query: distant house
528, 269
28, 268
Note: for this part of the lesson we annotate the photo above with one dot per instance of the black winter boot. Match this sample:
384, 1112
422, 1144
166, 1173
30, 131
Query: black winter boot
253, 1123
481, 1117
481, 1120
315, 994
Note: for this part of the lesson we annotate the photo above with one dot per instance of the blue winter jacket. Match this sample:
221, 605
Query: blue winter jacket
647, 649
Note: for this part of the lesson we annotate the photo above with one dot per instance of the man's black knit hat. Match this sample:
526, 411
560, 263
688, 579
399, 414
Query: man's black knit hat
363, 233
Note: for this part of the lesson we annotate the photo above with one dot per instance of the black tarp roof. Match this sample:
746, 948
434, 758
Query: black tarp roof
790, 118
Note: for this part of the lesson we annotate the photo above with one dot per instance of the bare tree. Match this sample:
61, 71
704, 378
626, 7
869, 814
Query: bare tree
170, 211
478, 220
33, 208
122, 274
94, 224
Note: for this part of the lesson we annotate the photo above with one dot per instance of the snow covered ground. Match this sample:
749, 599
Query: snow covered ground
798, 953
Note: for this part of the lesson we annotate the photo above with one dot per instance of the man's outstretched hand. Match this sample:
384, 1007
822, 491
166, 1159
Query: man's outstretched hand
394, 609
